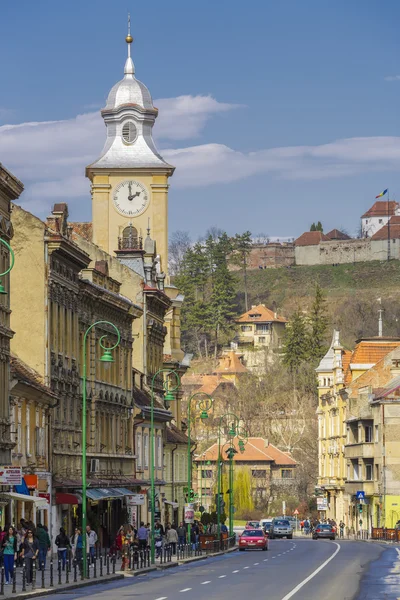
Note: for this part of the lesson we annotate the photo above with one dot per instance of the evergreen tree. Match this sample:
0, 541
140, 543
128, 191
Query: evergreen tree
318, 325
319, 227
313, 227
296, 342
242, 245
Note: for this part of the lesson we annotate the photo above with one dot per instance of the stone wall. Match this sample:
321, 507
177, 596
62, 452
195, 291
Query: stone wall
346, 251
266, 256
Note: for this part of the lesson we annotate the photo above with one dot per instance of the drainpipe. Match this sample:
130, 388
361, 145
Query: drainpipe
145, 335
173, 471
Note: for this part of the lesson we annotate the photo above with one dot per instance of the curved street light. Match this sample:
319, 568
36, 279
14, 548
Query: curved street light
7, 245
232, 421
169, 397
106, 358
204, 403
242, 436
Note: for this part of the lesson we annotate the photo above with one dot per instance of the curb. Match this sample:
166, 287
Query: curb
73, 586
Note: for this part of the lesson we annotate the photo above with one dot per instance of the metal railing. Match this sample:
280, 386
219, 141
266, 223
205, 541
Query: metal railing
387, 535
220, 545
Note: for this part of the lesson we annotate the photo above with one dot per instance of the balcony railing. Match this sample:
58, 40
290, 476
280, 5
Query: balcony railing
130, 242
362, 450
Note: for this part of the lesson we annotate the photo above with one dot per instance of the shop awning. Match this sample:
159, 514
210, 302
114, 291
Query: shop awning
103, 493
173, 504
40, 502
65, 498
124, 491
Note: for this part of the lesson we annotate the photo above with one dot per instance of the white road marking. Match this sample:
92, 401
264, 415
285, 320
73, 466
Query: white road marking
185, 590
313, 574
256, 563
205, 582
221, 576
237, 571
398, 552
162, 598
265, 559
246, 567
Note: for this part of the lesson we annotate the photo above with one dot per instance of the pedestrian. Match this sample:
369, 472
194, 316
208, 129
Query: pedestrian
62, 543
341, 528
9, 547
77, 548
160, 528
143, 536
172, 539
181, 531
91, 540
224, 528
193, 538
30, 552
43, 539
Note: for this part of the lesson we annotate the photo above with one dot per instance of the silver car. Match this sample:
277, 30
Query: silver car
280, 528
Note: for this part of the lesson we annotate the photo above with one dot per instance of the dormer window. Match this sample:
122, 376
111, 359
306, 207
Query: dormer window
254, 315
129, 132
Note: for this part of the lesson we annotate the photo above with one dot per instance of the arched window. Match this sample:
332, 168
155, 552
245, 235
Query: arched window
130, 237
129, 132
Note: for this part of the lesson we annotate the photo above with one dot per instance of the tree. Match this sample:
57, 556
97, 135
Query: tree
243, 496
242, 245
319, 227
179, 244
313, 228
295, 343
319, 326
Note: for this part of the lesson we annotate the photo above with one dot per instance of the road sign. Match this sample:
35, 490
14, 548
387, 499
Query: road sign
296, 512
10, 475
360, 495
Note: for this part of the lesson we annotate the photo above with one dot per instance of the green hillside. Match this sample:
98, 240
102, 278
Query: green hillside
351, 292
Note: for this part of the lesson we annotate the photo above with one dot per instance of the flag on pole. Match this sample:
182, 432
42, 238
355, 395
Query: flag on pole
381, 194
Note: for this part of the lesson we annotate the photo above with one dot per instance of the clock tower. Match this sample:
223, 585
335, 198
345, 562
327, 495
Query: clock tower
130, 178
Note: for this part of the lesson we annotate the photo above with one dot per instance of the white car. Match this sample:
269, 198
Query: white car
265, 524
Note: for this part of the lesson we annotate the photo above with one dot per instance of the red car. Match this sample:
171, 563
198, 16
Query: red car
253, 538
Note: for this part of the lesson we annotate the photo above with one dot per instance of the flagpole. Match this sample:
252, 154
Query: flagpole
388, 211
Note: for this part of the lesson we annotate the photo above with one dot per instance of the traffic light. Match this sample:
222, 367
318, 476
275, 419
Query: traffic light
360, 508
192, 495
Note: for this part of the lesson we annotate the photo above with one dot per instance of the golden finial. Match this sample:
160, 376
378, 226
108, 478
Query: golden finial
129, 38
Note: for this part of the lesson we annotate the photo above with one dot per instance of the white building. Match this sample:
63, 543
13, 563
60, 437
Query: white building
377, 216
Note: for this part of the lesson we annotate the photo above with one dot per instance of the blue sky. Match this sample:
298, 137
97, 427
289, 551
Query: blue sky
275, 114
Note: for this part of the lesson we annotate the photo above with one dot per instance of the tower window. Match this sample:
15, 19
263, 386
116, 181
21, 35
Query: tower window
129, 132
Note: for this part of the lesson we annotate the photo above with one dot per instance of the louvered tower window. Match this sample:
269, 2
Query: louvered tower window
129, 132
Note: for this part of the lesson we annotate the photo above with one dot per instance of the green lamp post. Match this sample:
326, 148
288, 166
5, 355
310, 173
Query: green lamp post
232, 421
169, 397
7, 245
242, 436
106, 358
204, 403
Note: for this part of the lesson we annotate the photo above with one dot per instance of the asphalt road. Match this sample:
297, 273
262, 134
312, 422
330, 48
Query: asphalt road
298, 569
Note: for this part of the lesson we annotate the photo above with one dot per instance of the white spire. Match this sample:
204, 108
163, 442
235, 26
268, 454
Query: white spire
129, 66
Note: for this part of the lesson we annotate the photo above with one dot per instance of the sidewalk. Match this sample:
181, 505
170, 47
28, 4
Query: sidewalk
69, 580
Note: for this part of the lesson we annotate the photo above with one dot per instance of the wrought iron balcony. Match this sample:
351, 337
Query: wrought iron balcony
130, 242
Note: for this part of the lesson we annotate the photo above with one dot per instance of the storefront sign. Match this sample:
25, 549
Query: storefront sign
189, 513
135, 500
132, 514
46, 496
32, 481
322, 503
10, 475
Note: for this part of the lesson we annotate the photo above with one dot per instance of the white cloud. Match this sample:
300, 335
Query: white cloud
50, 157
392, 78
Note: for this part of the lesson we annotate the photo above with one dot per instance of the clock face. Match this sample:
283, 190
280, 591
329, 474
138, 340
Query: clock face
131, 198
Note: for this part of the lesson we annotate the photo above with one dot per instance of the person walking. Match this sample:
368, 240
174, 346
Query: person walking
143, 535
341, 528
91, 540
29, 553
181, 531
62, 543
172, 539
9, 546
77, 548
43, 539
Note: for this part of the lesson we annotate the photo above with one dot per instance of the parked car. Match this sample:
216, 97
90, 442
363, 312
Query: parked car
324, 530
252, 525
280, 528
266, 524
253, 539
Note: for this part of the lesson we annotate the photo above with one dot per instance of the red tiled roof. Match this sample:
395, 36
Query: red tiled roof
230, 363
266, 315
311, 238
395, 220
382, 234
256, 450
369, 351
380, 209
378, 376
85, 230
336, 234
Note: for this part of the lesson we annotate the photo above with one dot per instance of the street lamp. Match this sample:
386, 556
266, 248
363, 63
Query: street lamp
106, 358
233, 422
169, 397
242, 436
2, 288
204, 402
